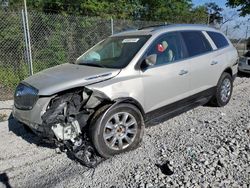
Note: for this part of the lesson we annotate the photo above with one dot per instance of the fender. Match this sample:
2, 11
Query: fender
131, 101
229, 71
125, 100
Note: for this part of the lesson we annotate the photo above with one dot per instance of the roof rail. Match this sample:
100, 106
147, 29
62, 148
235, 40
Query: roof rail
152, 26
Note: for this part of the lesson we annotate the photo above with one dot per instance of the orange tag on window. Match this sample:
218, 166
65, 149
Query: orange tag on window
160, 48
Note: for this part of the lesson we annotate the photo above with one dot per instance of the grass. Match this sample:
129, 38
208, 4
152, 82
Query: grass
11, 76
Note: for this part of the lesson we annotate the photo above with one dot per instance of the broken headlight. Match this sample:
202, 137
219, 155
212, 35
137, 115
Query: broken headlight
25, 97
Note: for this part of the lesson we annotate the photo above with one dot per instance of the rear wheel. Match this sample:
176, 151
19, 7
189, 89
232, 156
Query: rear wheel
223, 90
118, 130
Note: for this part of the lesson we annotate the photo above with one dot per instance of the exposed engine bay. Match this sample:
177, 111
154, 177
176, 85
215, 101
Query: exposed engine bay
65, 122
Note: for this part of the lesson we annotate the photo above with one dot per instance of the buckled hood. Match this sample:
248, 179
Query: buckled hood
67, 76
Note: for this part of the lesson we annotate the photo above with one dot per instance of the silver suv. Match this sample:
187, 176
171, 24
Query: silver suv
124, 82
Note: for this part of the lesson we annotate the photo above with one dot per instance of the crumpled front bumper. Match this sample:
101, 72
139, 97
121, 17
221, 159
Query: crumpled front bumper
32, 118
40, 118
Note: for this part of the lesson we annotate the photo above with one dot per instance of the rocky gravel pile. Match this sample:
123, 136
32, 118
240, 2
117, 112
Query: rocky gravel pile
204, 147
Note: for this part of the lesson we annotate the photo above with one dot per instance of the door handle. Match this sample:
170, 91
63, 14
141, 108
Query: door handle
182, 72
214, 62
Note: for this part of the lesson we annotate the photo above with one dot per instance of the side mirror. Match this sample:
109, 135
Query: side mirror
151, 59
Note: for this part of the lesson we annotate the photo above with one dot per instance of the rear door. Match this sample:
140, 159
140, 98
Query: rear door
224, 56
200, 60
168, 80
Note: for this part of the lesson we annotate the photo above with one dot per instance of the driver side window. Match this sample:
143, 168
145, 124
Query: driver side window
168, 48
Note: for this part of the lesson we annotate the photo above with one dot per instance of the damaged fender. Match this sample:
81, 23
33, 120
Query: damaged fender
66, 118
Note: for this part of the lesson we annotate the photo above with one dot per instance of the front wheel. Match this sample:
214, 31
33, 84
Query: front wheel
224, 90
118, 130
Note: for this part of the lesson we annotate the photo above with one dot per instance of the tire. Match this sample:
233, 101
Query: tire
224, 90
109, 134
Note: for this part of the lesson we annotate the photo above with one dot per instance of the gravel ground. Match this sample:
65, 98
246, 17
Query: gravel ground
5, 109
204, 147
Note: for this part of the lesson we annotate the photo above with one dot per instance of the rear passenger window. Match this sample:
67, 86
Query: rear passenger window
196, 43
219, 40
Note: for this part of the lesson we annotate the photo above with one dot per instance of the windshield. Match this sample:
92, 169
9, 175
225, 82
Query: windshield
114, 52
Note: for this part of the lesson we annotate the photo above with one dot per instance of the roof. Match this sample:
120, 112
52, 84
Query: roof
164, 28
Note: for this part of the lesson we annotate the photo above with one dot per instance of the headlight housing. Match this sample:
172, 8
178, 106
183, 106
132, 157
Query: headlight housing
25, 97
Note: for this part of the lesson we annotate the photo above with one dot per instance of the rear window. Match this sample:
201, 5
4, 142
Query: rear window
196, 43
219, 40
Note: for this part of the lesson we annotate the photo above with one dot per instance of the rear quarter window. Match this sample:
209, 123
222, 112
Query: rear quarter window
196, 43
219, 40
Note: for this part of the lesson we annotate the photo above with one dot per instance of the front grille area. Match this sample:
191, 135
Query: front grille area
25, 97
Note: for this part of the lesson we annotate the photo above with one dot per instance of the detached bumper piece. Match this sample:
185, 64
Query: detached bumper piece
85, 154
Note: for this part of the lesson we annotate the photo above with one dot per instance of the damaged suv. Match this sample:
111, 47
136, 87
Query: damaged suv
102, 101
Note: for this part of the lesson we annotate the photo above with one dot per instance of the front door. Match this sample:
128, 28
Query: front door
168, 80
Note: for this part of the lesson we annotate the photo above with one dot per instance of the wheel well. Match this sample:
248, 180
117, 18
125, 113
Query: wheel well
229, 71
131, 101
109, 104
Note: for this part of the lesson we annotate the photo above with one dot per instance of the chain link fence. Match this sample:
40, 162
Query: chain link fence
239, 35
55, 39
12, 60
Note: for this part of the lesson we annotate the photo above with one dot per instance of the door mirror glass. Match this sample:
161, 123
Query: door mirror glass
151, 59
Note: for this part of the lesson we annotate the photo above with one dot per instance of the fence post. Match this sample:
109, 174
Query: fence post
208, 19
246, 40
112, 25
28, 38
25, 39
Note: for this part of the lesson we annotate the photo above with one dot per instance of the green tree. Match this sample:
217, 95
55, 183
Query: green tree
242, 5
174, 11
198, 15
161, 10
214, 13
123, 9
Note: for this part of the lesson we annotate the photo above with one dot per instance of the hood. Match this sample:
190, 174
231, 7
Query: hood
67, 76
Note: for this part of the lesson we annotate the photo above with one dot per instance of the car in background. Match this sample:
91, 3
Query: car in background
244, 64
